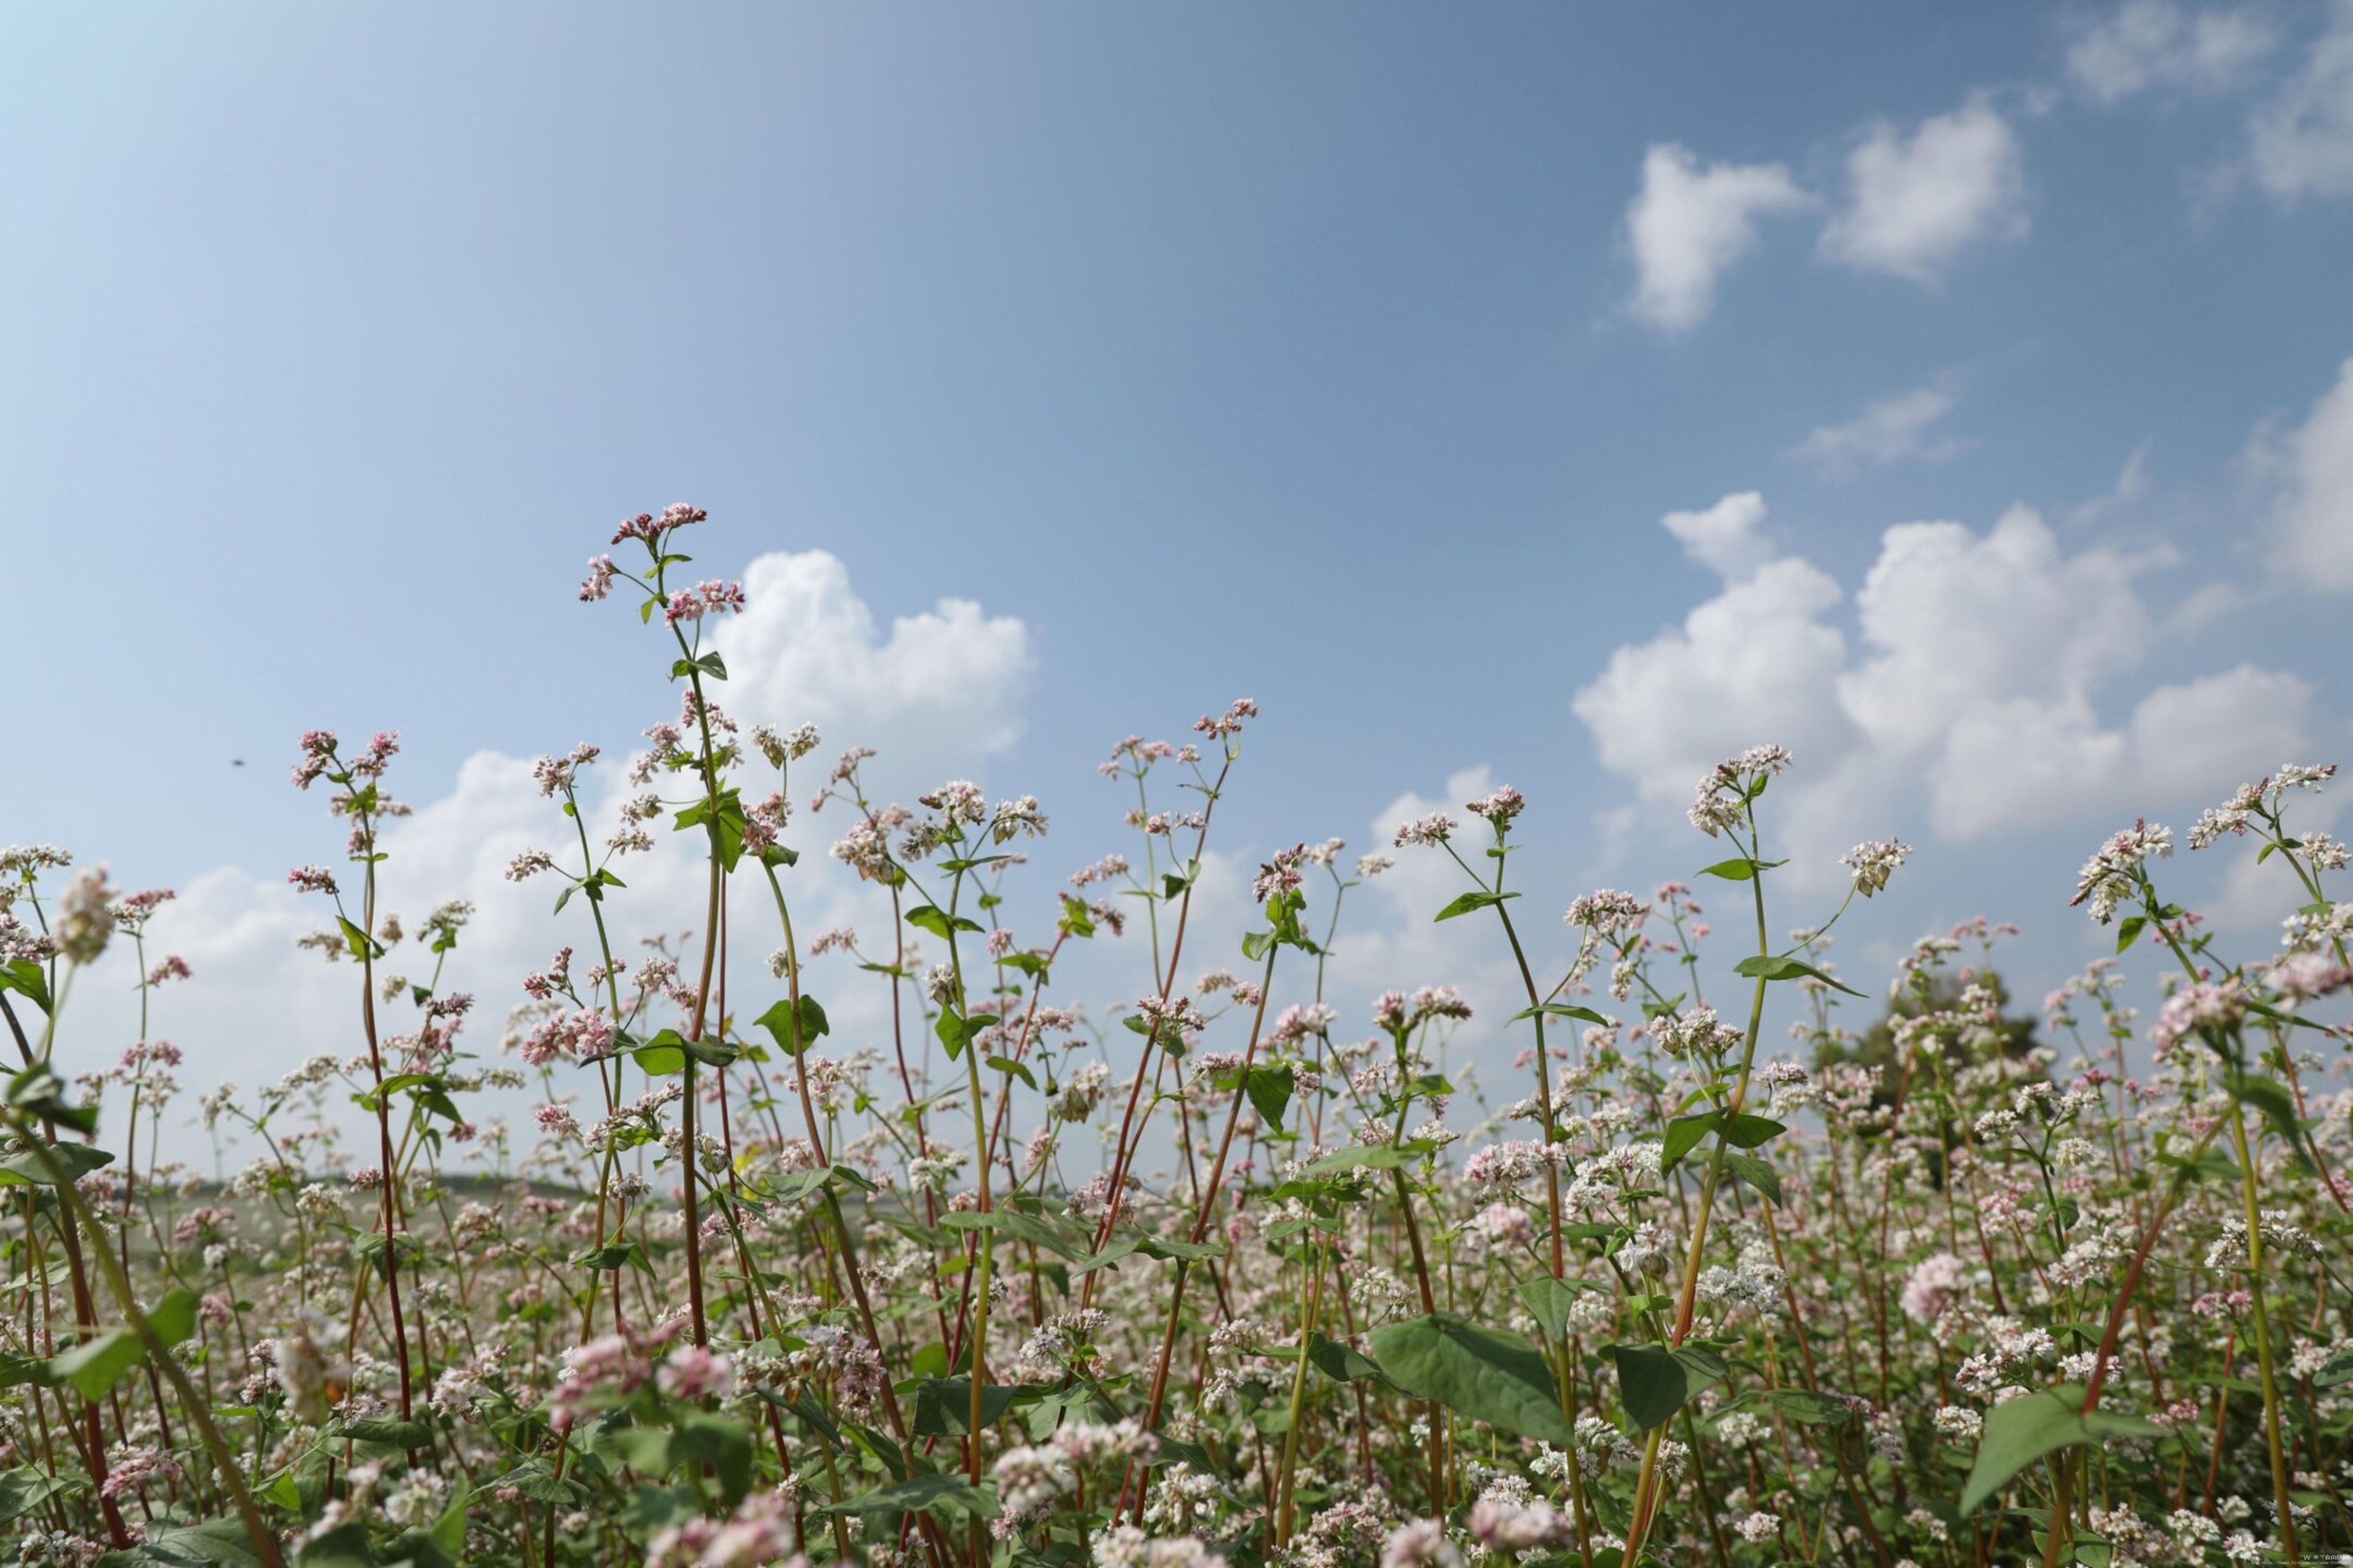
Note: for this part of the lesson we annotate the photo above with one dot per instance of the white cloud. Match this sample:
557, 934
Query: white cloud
2154, 43
937, 694
2300, 141
1890, 431
2205, 606
2022, 762
1956, 617
2132, 483
1724, 537
1754, 663
944, 689
1914, 204
1968, 702
2312, 520
1689, 224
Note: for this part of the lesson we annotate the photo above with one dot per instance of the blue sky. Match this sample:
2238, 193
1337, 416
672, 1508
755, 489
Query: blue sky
1297, 352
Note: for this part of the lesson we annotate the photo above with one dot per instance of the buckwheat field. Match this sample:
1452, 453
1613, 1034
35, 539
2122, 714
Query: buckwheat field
1222, 1271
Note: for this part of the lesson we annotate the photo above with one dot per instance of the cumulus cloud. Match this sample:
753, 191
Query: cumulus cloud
1757, 660
1916, 203
1892, 430
2024, 761
1956, 617
2300, 141
1723, 538
1690, 223
2146, 44
2312, 466
944, 688
937, 693
1969, 699
2132, 483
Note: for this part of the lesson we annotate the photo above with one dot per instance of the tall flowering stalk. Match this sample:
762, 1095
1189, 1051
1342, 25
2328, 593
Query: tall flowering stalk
358, 795
1725, 805
1941, 1281
1161, 1023
718, 810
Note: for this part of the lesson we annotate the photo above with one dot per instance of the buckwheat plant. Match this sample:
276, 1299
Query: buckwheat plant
1660, 1252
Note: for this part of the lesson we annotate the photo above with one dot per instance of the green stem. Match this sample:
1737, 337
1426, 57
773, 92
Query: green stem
159, 1354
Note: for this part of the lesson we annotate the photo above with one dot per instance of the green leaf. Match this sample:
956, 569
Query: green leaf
284, 1490
2286, 1020
1008, 1065
1129, 1242
1470, 901
955, 1031
931, 1494
664, 1054
1270, 1092
1489, 1376
173, 1318
1548, 1302
1747, 1132
534, 1480
40, 1092
345, 1546
2337, 1369
2021, 1430
28, 979
384, 1429
1123, 1245
2128, 931
614, 1256
1756, 1174
938, 921
1560, 1010
795, 1031
16, 1371
78, 1160
1740, 868
362, 946
1803, 1404
944, 1405
449, 1531
95, 1367
1656, 1382
25, 1488
1684, 1135
1009, 1222
368, 1100
1341, 1364
1759, 967
722, 1442
2270, 1097
711, 1053
210, 1544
